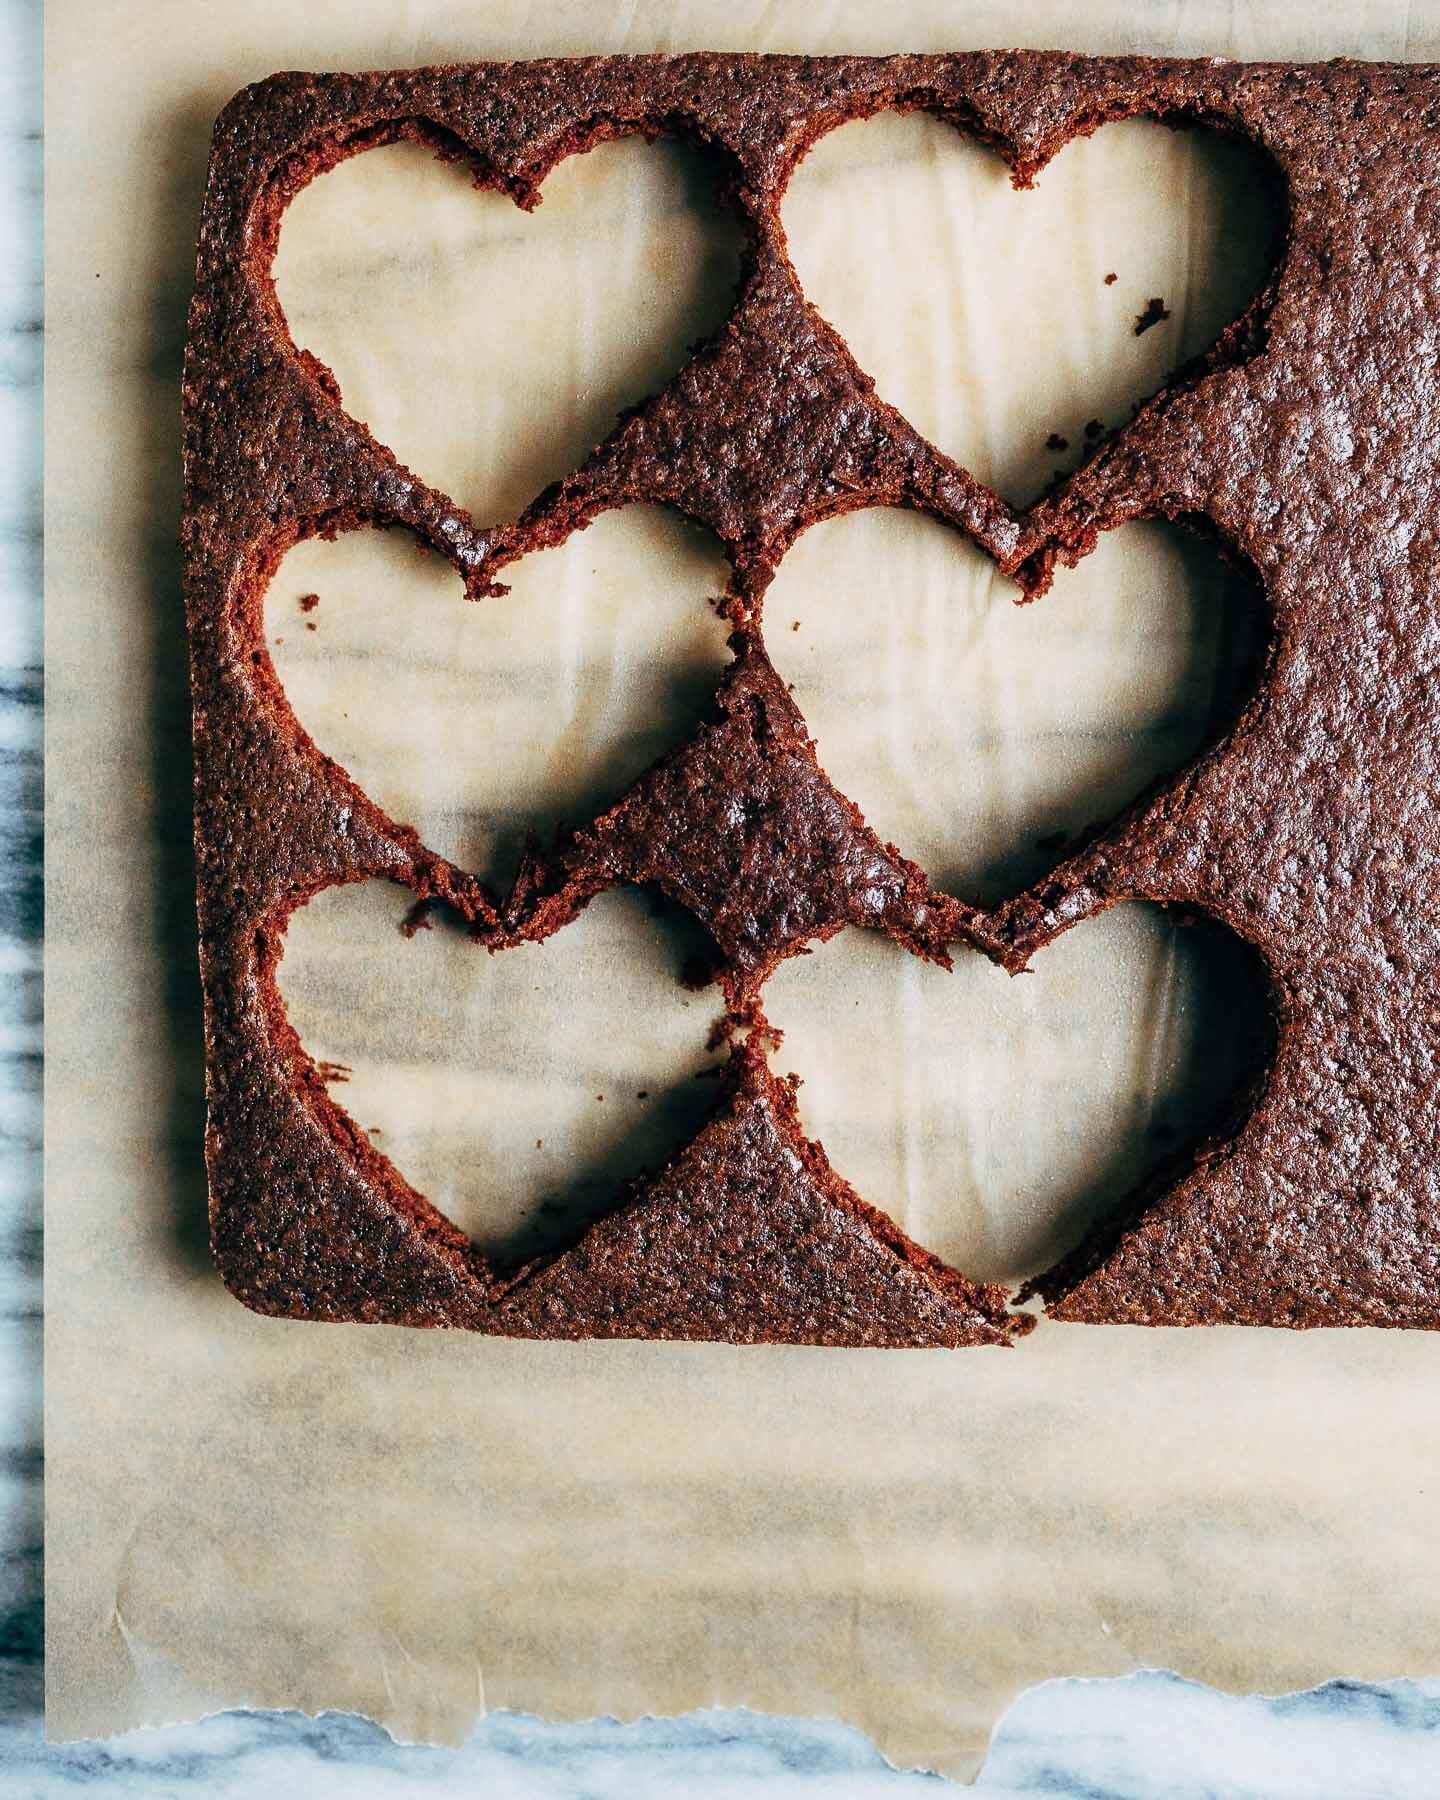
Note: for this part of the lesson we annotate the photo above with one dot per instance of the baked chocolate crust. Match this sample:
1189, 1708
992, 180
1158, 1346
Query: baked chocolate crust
1304, 442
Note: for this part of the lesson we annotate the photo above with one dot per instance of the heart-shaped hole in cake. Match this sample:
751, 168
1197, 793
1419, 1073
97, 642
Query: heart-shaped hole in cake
491, 348
984, 738
988, 316
518, 1092
474, 721
997, 1118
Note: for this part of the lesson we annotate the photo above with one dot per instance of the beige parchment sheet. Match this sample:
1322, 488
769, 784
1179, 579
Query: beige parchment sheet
420, 1526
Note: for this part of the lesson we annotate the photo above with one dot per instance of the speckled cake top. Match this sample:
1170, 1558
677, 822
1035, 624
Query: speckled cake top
1304, 443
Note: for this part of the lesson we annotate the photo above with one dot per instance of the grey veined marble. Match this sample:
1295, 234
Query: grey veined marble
1152, 1737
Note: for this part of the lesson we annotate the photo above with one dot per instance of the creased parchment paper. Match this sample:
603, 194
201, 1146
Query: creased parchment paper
417, 1526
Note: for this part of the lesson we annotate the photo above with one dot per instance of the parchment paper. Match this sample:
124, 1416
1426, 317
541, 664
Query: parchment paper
419, 1526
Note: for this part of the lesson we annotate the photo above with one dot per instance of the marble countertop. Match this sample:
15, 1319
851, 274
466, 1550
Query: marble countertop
1150, 1735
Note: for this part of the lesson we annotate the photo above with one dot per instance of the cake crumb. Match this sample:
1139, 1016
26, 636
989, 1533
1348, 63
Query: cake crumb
1093, 429
417, 918
695, 973
1111, 279
1155, 311
1056, 442
308, 602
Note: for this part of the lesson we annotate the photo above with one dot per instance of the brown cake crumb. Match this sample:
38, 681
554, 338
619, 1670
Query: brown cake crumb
1155, 311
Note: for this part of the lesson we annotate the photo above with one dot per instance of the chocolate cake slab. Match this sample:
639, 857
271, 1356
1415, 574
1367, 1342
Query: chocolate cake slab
1302, 443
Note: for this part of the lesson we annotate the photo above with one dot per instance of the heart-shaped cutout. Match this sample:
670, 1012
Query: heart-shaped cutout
981, 737
997, 1118
518, 1092
475, 720
491, 348
988, 316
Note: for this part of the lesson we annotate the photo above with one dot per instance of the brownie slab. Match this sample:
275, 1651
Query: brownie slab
1304, 442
